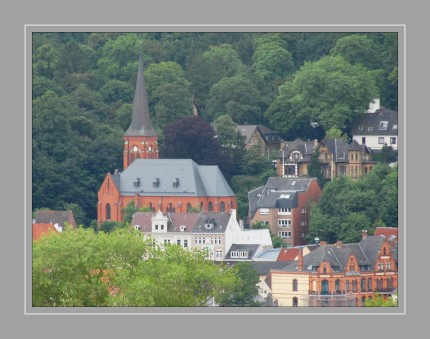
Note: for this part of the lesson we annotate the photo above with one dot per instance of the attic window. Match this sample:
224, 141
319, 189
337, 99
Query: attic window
137, 182
293, 183
360, 128
156, 182
394, 126
383, 125
370, 128
176, 182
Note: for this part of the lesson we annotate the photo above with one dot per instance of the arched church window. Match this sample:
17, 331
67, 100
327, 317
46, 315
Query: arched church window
108, 212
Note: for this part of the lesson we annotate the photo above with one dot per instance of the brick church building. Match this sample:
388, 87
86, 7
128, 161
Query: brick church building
168, 185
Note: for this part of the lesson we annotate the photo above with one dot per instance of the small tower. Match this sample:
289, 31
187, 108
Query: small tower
140, 139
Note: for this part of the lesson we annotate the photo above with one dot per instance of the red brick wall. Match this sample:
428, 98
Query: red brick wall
143, 144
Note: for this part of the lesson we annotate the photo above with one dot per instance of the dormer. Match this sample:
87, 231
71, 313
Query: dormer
159, 223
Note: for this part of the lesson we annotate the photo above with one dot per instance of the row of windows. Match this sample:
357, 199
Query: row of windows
381, 140
171, 209
284, 223
285, 234
352, 286
208, 240
239, 254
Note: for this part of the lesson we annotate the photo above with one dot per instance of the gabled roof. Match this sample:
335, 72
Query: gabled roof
55, 217
306, 148
40, 229
191, 179
279, 192
387, 232
193, 222
382, 122
248, 130
366, 253
140, 118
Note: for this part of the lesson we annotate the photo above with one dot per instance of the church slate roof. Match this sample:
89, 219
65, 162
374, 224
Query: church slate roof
192, 179
140, 118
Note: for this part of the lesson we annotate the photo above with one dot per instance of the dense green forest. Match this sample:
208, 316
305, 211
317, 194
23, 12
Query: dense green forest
83, 87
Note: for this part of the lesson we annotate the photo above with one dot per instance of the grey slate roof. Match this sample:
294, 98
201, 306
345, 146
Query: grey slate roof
211, 222
140, 119
264, 267
279, 192
366, 253
250, 248
306, 148
370, 123
55, 217
194, 222
248, 130
194, 180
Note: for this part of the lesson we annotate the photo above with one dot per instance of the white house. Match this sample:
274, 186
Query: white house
376, 128
215, 231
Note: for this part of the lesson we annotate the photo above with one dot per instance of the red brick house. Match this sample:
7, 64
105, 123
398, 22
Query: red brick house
40, 229
338, 274
169, 185
283, 205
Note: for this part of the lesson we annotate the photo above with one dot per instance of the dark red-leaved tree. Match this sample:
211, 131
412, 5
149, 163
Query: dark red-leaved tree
194, 138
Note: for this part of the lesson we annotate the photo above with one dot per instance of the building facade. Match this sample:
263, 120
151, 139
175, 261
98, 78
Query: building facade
338, 275
268, 139
217, 232
337, 158
376, 128
169, 185
283, 205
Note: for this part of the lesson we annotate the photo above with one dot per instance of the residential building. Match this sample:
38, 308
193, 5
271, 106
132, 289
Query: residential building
283, 205
57, 218
218, 232
41, 229
268, 140
169, 185
338, 274
337, 158
376, 128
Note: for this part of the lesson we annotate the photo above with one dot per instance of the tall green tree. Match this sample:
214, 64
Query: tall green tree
315, 168
244, 294
330, 92
236, 96
272, 60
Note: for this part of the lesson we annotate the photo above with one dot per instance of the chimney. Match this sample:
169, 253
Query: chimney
241, 224
315, 143
323, 243
363, 234
300, 260
339, 243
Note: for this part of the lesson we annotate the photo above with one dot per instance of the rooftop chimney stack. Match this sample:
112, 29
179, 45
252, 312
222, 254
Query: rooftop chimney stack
364, 234
300, 260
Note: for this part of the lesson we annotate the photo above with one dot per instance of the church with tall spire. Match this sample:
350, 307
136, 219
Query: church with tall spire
140, 139
167, 185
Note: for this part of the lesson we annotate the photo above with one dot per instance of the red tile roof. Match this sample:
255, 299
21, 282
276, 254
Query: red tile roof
387, 231
288, 254
41, 229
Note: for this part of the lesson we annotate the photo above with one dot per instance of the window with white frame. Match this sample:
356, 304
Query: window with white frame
284, 223
284, 210
285, 234
381, 140
178, 242
218, 254
393, 140
303, 210
383, 125
303, 223
264, 211
185, 243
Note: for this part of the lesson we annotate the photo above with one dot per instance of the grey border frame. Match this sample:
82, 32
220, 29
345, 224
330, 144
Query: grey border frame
399, 28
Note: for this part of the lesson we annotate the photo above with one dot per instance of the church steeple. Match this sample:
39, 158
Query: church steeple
140, 139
